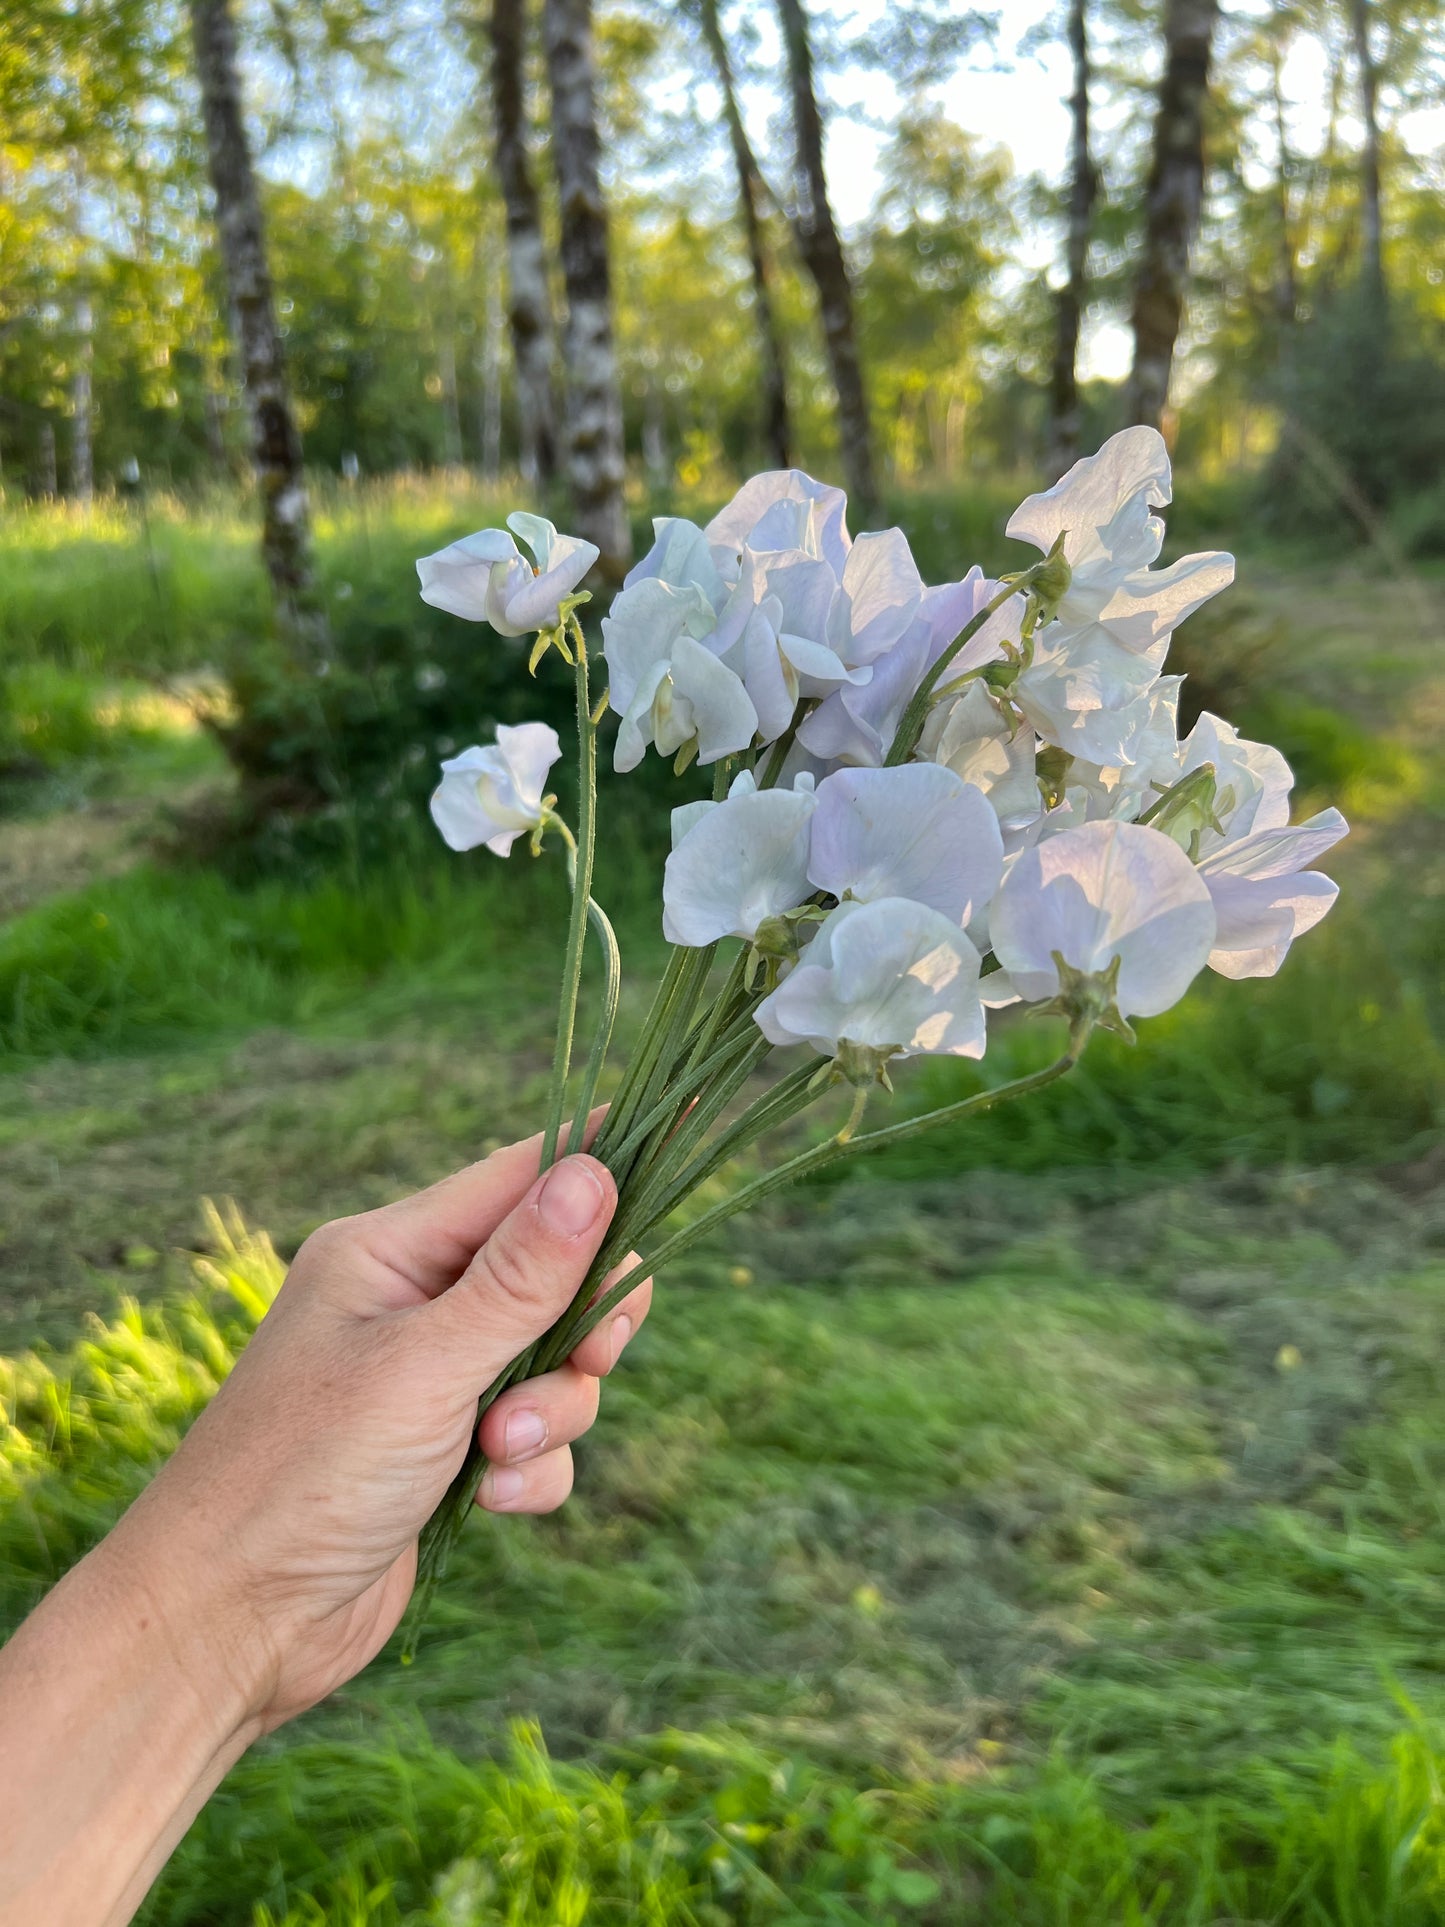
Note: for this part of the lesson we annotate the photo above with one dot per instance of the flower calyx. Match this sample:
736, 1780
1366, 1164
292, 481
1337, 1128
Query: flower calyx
565, 636
1190, 807
863, 1065
1088, 1000
1048, 583
779, 940
1052, 766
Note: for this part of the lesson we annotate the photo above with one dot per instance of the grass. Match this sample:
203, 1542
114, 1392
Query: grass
1041, 1528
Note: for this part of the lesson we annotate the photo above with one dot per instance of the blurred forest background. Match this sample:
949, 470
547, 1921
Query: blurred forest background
1091, 1571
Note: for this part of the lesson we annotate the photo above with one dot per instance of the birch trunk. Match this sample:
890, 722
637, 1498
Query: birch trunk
777, 425
1065, 423
822, 252
1173, 200
593, 439
285, 519
1372, 233
49, 480
529, 303
1286, 284
82, 439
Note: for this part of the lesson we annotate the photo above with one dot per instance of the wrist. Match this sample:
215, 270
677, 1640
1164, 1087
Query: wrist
112, 1734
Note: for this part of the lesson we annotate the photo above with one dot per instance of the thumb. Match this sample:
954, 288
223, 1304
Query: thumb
527, 1273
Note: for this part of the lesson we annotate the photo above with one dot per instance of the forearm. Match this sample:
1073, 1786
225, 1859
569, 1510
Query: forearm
116, 1722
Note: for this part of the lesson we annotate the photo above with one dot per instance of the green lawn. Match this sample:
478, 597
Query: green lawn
1048, 1528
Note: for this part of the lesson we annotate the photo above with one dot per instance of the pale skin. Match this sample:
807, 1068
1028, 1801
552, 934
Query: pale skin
274, 1554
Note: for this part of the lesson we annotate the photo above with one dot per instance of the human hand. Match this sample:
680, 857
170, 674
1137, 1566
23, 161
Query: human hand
296, 1501
275, 1553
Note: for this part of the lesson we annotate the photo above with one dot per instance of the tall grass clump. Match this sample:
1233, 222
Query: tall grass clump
81, 1434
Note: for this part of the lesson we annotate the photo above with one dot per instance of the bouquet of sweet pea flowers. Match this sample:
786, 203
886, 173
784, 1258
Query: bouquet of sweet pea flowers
929, 804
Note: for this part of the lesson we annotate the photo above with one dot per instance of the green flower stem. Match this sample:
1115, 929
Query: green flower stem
667, 1049
676, 1178
623, 1107
692, 1082
606, 1018
724, 1008
807, 1162
910, 727
581, 896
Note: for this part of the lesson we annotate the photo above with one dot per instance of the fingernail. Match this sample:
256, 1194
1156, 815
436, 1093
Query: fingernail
621, 1332
523, 1433
571, 1198
501, 1485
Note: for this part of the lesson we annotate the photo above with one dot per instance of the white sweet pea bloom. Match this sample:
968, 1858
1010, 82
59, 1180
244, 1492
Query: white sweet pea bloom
857, 724
783, 509
989, 747
668, 687
890, 977
917, 831
737, 863
485, 578
1252, 781
1103, 894
1087, 695
494, 795
1104, 509
881, 592
782, 652
1264, 896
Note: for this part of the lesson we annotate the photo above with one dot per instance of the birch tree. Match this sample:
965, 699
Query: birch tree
822, 251
1064, 411
1172, 203
285, 517
529, 300
777, 425
1372, 255
593, 432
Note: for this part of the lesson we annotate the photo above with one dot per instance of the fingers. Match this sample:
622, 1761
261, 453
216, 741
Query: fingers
432, 1236
526, 1273
539, 1415
600, 1350
538, 1486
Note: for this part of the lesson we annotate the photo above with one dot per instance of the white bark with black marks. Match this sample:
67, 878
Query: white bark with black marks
285, 517
529, 301
777, 425
593, 437
822, 251
1065, 413
1172, 203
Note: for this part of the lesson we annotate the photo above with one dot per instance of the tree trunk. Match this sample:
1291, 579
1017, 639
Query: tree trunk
490, 424
1286, 283
1372, 242
777, 427
1065, 423
49, 480
285, 520
1173, 201
529, 310
822, 252
595, 466
82, 439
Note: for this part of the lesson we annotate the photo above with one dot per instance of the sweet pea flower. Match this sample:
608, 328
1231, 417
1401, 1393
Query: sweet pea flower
890, 978
916, 831
668, 688
881, 590
1252, 781
1103, 508
1085, 694
493, 795
485, 578
857, 724
736, 863
990, 748
782, 509
1103, 897
782, 652
1264, 896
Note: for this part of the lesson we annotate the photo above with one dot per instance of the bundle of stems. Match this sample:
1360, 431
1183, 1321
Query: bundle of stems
667, 1129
